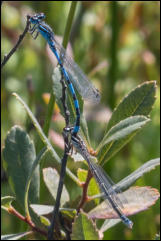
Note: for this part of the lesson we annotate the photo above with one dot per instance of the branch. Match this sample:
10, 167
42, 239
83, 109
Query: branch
27, 220
21, 37
84, 194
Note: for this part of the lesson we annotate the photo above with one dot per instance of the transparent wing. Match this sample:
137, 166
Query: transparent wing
103, 181
78, 78
105, 184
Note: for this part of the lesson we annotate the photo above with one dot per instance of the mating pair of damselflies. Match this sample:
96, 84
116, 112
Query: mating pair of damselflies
88, 91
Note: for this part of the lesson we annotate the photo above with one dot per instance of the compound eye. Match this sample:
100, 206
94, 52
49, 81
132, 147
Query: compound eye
41, 16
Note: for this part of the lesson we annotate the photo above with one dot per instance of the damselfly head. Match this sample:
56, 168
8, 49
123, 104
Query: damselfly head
68, 129
36, 18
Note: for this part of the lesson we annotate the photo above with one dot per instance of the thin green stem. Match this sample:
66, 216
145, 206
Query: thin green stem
113, 68
69, 24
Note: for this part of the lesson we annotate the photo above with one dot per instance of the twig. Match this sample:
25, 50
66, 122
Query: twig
27, 220
21, 37
84, 194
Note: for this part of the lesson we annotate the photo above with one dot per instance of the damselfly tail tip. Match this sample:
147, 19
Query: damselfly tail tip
130, 224
126, 221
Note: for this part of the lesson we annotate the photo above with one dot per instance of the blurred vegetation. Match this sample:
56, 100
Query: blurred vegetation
124, 39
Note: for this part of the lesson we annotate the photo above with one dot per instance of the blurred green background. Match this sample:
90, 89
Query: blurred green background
117, 44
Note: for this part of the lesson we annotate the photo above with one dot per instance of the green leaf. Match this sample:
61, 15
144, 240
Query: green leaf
45, 221
82, 174
93, 188
137, 102
51, 179
38, 128
43, 137
84, 130
69, 212
19, 155
134, 176
47, 209
6, 202
124, 128
57, 87
41, 209
15, 236
84, 229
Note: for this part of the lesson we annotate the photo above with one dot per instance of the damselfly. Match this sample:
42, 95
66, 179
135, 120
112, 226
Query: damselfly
67, 65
